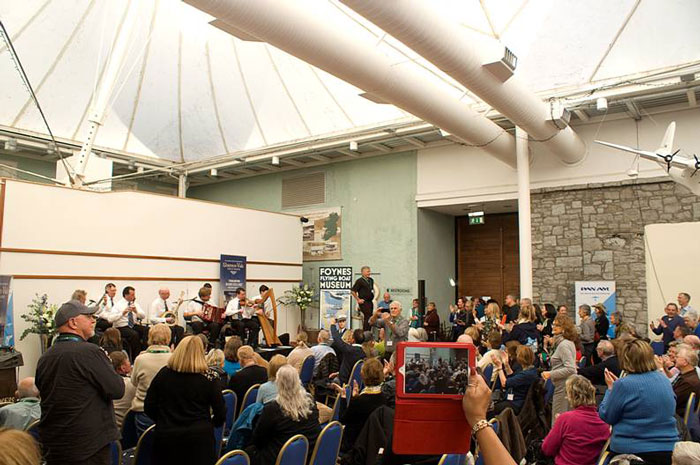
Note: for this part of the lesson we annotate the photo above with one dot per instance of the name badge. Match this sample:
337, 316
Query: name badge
389, 343
510, 397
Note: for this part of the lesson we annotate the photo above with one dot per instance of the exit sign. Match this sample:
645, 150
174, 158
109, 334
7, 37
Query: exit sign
476, 220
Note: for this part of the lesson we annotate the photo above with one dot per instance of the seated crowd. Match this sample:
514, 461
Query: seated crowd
581, 385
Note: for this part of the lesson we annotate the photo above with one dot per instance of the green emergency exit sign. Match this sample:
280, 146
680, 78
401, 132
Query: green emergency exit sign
476, 220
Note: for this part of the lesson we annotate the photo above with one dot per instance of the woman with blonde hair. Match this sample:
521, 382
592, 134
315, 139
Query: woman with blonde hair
181, 401
297, 356
146, 367
578, 436
525, 329
18, 448
491, 320
640, 407
563, 362
293, 412
215, 361
268, 390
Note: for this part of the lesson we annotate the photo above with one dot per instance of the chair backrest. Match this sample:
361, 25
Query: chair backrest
658, 347
328, 445
144, 448
294, 451
33, 429
218, 439
129, 434
249, 397
231, 402
307, 370
604, 458
356, 374
235, 457
336, 409
549, 391
488, 374
689, 408
453, 459
115, 453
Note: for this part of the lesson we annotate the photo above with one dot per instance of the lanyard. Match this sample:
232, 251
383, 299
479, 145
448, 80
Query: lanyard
65, 337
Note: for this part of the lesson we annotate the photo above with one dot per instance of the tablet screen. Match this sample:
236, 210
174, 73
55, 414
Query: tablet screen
436, 370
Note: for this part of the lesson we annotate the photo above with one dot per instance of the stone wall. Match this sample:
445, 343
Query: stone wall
596, 232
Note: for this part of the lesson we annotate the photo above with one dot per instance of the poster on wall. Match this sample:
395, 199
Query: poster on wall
7, 330
322, 235
334, 283
593, 292
231, 275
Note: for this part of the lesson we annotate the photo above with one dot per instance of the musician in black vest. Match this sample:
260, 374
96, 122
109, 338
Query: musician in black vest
363, 292
194, 314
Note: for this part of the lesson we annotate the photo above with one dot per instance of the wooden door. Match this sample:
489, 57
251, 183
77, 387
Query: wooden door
487, 257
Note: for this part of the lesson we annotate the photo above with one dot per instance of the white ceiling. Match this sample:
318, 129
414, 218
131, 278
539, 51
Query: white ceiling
190, 92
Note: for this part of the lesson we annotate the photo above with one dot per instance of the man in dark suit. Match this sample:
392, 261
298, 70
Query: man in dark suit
351, 353
596, 373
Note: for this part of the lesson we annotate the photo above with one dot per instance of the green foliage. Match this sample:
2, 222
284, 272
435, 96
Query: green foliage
40, 316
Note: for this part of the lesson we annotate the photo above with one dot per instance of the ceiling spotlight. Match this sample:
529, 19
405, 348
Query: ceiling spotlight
275, 161
601, 104
214, 172
354, 146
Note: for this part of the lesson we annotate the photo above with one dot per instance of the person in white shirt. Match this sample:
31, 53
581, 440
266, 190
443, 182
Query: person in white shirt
104, 306
194, 314
684, 303
155, 315
126, 316
241, 314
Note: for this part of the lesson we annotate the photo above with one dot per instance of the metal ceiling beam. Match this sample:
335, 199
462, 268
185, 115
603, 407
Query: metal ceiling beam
413, 141
633, 109
692, 102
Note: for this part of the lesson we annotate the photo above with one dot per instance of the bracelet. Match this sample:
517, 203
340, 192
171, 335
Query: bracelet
481, 424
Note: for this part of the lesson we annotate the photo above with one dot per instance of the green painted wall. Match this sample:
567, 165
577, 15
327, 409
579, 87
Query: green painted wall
436, 258
44, 168
379, 216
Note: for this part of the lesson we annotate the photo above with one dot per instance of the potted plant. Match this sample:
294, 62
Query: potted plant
41, 319
302, 296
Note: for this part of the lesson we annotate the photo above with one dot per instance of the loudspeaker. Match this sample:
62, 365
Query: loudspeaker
421, 296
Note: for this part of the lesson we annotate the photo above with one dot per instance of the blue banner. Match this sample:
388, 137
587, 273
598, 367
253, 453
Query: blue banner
232, 275
7, 329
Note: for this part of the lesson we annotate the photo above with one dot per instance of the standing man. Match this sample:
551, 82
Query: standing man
104, 307
667, 324
126, 317
684, 302
156, 312
586, 330
363, 292
394, 324
511, 309
77, 385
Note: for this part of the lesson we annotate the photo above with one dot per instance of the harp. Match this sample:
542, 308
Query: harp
269, 332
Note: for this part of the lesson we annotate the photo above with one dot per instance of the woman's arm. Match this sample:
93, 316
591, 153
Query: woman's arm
552, 443
475, 403
218, 407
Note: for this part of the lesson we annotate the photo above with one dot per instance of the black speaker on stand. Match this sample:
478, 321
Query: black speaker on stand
421, 297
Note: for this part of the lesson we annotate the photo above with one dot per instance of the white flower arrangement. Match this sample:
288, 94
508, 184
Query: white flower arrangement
41, 317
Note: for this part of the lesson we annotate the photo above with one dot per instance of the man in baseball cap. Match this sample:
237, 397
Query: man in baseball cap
77, 385
73, 309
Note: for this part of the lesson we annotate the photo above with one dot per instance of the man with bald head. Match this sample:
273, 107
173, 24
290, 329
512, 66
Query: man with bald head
157, 314
27, 408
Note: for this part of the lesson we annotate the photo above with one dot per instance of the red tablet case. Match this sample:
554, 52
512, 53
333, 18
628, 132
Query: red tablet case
432, 424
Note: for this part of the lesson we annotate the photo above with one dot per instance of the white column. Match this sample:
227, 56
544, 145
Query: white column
182, 186
524, 220
103, 91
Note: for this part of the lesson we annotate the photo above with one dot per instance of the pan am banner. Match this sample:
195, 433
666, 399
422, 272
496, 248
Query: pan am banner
334, 284
593, 292
231, 275
322, 235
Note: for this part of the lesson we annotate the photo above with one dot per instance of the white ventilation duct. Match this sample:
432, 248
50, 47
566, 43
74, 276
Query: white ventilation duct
444, 43
289, 27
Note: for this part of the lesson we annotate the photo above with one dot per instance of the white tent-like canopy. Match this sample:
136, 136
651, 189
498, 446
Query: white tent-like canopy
189, 92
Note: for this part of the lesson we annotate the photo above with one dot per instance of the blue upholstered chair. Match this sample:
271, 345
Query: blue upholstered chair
249, 397
235, 457
328, 445
231, 403
294, 451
